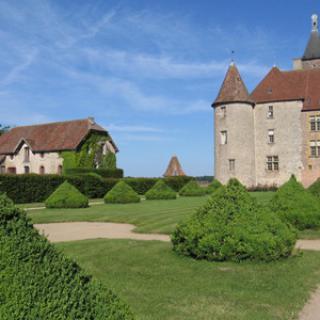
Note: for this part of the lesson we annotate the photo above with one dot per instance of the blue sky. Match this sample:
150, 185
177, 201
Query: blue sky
148, 71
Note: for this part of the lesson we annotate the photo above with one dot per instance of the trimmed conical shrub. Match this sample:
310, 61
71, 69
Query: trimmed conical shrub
232, 226
192, 189
160, 191
213, 186
296, 205
315, 188
121, 193
38, 282
67, 196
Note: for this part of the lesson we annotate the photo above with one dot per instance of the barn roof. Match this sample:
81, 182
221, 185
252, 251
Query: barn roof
49, 137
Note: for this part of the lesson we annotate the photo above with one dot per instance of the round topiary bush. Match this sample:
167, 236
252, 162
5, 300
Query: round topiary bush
232, 226
38, 282
213, 186
67, 196
160, 191
121, 193
296, 205
192, 189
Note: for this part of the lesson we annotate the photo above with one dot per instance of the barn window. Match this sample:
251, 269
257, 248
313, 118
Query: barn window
42, 170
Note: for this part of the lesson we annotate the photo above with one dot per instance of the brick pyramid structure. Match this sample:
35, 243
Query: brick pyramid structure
174, 168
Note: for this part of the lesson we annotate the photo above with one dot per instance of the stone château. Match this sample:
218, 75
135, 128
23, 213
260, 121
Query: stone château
264, 137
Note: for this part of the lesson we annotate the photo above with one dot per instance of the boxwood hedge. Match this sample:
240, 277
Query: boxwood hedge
192, 189
38, 282
213, 186
160, 191
67, 196
27, 188
296, 205
232, 226
121, 193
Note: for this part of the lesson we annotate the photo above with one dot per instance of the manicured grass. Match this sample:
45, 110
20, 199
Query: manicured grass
153, 216
309, 234
158, 284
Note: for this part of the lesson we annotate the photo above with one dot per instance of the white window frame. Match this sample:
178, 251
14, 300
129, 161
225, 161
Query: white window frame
273, 163
271, 139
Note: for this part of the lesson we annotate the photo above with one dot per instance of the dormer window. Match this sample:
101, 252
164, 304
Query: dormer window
270, 112
269, 91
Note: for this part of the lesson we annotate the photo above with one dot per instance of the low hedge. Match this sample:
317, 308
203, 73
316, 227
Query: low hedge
160, 191
67, 196
39, 282
192, 189
296, 205
232, 226
105, 173
121, 193
27, 188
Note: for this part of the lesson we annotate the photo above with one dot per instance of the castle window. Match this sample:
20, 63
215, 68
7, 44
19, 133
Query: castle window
270, 112
223, 111
224, 137
2, 169
271, 136
272, 163
314, 149
315, 123
232, 164
26, 169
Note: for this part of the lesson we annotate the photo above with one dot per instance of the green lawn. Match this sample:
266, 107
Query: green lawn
158, 284
156, 216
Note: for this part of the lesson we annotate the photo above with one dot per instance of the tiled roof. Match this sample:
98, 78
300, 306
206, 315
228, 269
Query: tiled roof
174, 168
290, 85
58, 136
233, 88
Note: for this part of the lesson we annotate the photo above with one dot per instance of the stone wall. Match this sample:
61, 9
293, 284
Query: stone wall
311, 166
287, 141
49, 160
237, 120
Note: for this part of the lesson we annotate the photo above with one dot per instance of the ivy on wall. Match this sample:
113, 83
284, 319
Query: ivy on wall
109, 161
89, 154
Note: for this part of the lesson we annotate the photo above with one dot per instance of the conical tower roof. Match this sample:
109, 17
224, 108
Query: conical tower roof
174, 168
233, 88
312, 50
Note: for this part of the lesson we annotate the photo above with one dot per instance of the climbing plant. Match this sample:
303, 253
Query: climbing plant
88, 155
109, 161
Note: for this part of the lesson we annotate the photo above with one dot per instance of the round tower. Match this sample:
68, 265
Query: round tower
234, 131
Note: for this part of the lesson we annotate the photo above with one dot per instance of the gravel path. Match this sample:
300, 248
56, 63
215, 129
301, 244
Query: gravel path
71, 231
